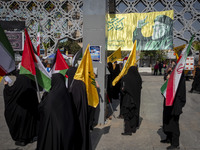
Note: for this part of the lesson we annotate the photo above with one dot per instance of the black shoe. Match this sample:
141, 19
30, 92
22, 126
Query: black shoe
190, 91
18, 143
126, 133
91, 128
165, 141
133, 130
173, 147
33, 140
197, 92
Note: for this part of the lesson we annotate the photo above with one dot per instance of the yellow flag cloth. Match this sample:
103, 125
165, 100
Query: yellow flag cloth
130, 62
177, 49
1, 78
86, 74
115, 56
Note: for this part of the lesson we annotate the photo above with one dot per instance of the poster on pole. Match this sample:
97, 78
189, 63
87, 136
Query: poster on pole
95, 52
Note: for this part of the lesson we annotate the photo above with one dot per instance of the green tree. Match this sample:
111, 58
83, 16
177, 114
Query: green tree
46, 46
71, 46
196, 45
158, 55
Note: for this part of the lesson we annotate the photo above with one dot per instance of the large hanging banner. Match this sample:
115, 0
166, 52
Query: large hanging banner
153, 31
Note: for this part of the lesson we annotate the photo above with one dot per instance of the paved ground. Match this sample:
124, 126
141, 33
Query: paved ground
108, 136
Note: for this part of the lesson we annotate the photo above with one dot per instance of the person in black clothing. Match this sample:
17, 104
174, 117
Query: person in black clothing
160, 66
171, 115
21, 113
132, 85
78, 94
196, 83
58, 126
109, 81
116, 88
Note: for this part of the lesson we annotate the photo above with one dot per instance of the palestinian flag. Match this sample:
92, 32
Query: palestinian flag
31, 65
7, 62
169, 88
59, 65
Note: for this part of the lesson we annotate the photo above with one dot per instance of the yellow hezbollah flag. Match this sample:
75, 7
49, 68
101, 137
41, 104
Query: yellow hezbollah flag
115, 56
86, 74
130, 62
1, 78
153, 30
177, 49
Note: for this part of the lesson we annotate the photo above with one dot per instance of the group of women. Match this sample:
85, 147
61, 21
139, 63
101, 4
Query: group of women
60, 121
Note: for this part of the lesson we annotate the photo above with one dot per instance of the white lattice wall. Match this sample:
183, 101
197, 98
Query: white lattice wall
65, 18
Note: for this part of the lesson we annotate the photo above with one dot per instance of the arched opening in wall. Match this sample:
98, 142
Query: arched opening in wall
69, 47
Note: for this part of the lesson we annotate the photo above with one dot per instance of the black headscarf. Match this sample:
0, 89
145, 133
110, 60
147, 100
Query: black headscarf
57, 118
132, 81
21, 109
70, 73
196, 82
110, 67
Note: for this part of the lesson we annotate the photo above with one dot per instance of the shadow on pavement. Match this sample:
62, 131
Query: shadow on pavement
96, 135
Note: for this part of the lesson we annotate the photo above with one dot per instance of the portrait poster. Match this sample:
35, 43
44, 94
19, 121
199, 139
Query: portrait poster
153, 30
16, 39
95, 52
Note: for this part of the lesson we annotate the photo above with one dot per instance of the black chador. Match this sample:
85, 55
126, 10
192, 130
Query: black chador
172, 113
21, 113
109, 81
116, 88
57, 130
78, 93
132, 85
196, 82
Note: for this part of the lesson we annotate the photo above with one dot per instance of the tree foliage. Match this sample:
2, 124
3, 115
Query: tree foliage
71, 46
158, 55
196, 45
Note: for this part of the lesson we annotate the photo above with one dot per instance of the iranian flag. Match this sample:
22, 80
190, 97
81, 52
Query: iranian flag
7, 62
31, 65
59, 65
38, 40
169, 88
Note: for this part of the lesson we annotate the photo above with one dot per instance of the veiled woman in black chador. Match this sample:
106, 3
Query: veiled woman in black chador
132, 85
21, 111
78, 94
196, 83
58, 122
171, 115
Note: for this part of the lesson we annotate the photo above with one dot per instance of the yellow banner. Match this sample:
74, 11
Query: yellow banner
130, 62
152, 30
86, 74
115, 56
1, 77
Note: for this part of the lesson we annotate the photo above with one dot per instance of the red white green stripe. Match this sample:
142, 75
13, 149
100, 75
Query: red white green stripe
32, 66
170, 86
60, 65
7, 63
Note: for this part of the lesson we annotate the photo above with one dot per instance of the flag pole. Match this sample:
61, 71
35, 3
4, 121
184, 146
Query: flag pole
38, 91
110, 106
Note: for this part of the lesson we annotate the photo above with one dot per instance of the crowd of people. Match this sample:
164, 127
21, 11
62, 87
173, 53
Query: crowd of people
62, 120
